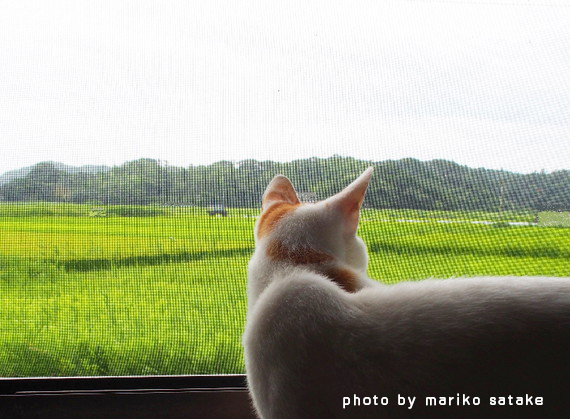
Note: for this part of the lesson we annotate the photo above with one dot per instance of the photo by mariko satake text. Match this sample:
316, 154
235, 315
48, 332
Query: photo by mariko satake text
457, 400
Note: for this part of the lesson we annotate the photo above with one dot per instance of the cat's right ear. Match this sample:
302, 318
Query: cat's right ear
349, 201
280, 189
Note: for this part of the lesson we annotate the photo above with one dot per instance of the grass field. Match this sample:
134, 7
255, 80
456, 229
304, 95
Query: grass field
160, 290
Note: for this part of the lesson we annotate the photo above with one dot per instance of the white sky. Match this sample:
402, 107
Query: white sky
482, 83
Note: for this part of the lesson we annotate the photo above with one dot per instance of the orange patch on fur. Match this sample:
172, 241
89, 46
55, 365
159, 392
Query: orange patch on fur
344, 278
302, 256
271, 216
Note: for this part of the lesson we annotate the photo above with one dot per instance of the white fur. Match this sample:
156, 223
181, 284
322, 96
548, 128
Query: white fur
308, 343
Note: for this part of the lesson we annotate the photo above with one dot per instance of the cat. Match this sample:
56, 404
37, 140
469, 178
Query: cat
322, 340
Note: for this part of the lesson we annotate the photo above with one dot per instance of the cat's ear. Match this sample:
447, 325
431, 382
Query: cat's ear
280, 189
349, 201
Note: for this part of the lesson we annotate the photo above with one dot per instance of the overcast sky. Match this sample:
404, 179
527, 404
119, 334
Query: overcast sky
483, 83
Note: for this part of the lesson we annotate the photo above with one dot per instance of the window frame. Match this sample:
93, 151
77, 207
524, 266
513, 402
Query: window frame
130, 396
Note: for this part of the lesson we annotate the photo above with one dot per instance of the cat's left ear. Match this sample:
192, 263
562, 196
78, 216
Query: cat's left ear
349, 201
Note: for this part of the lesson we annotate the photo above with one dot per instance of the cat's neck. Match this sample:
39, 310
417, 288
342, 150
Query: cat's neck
273, 261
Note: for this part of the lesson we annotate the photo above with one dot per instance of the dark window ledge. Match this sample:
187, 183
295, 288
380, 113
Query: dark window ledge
201, 396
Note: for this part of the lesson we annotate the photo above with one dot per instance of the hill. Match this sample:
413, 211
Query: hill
405, 183
23, 172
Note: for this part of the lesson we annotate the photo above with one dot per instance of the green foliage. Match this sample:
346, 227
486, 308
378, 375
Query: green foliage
406, 183
501, 224
166, 294
137, 320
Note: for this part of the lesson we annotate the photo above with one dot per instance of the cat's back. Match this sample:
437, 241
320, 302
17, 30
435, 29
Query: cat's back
311, 344
320, 335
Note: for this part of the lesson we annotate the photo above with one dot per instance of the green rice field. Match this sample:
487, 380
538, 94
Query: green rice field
162, 290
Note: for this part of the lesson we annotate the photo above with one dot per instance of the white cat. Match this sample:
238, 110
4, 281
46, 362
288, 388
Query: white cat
322, 340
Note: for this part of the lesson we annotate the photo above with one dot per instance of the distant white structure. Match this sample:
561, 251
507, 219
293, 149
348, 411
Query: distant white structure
97, 212
554, 219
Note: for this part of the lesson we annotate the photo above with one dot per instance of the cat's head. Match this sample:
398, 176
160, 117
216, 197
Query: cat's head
312, 234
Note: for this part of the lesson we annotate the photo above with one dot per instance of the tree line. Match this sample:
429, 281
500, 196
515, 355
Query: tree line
405, 183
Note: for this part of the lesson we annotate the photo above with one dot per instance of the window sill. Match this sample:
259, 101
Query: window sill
208, 396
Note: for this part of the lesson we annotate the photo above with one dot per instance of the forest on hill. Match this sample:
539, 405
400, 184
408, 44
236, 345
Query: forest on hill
405, 183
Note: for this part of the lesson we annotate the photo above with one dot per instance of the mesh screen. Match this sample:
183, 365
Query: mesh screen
137, 140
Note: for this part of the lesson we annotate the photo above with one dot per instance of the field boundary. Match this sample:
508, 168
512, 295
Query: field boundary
89, 264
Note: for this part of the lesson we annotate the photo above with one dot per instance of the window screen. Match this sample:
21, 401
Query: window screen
136, 139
